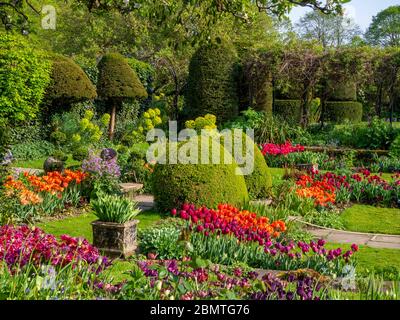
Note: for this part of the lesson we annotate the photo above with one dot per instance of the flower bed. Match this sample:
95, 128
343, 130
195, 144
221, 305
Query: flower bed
245, 237
360, 187
172, 279
20, 246
37, 195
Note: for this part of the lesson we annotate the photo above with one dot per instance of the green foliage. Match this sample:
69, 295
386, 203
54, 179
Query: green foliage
200, 184
144, 71
111, 208
395, 147
206, 122
340, 111
290, 110
75, 135
32, 150
212, 86
385, 28
117, 80
24, 76
162, 241
344, 91
69, 83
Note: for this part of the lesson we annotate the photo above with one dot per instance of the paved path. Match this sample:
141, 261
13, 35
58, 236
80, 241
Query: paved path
340, 236
146, 201
28, 170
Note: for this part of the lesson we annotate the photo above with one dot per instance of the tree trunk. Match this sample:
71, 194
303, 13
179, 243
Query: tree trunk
112, 120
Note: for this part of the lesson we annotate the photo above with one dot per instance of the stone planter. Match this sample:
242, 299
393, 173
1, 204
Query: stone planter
114, 239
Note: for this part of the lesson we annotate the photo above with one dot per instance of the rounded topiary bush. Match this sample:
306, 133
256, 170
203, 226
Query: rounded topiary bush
69, 83
200, 184
289, 110
344, 91
212, 86
340, 111
117, 79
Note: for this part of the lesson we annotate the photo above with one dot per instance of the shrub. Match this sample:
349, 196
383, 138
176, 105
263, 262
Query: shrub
69, 83
117, 82
25, 74
212, 86
339, 111
200, 184
289, 110
111, 208
395, 147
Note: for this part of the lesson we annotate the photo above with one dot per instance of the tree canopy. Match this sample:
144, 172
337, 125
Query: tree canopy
385, 28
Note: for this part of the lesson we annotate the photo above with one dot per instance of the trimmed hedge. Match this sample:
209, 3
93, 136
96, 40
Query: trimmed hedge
289, 110
69, 83
339, 111
264, 95
117, 79
200, 184
345, 91
212, 84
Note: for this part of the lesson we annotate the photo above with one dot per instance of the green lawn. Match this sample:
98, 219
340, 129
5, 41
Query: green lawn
385, 262
38, 164
370, 219
80, 226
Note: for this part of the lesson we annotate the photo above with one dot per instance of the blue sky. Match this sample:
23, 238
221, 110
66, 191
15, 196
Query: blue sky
361, 10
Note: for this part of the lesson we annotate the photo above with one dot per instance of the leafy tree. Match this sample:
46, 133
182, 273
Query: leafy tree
329, 30
117, 82
385, 28
24, 77
15, 13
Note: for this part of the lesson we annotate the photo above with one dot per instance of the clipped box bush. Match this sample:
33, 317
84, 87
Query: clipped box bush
340, 111
289, 110
212, 85
200, 184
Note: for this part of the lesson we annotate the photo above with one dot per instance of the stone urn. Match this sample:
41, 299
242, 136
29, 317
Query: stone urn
115, 239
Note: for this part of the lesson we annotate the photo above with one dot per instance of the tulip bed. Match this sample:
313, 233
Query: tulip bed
34, 196
359, 187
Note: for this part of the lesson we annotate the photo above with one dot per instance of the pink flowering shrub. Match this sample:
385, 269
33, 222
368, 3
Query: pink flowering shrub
22, 245
280, 149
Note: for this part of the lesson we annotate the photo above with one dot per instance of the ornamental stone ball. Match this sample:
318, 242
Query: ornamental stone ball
108, 154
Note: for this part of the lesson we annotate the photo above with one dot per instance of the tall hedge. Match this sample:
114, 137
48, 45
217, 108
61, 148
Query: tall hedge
117, 82
24, 76
290, 110
212, 83
69, 83
340, 111
200, 184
